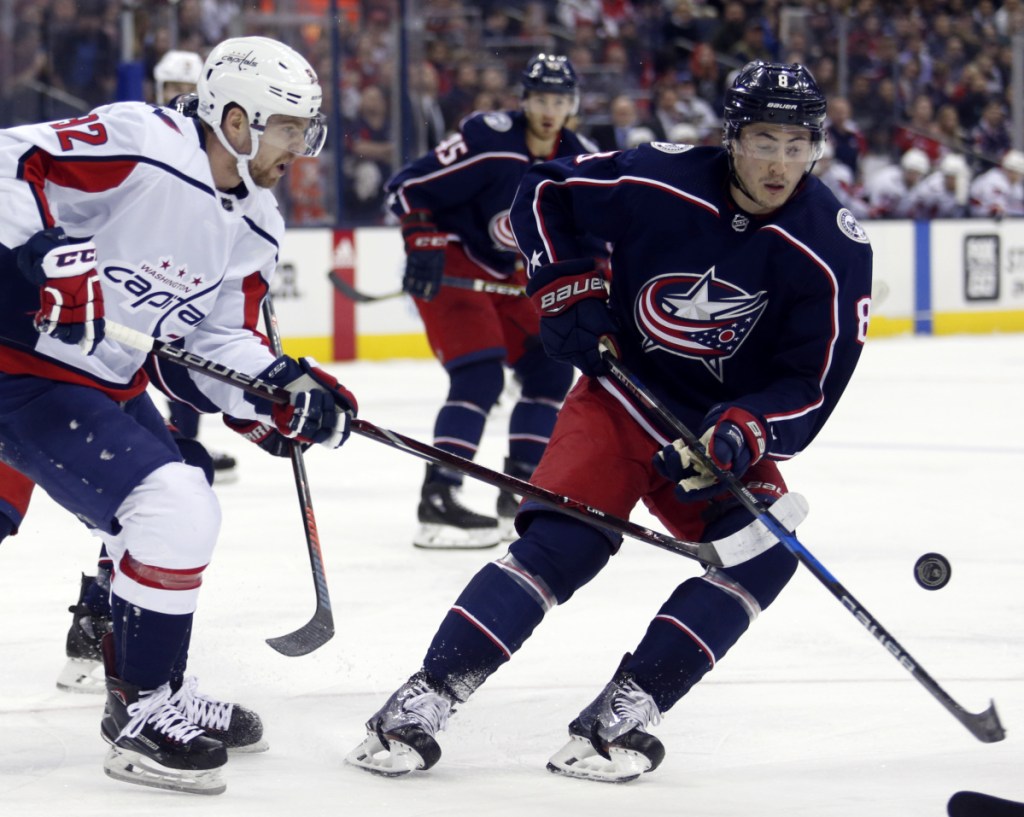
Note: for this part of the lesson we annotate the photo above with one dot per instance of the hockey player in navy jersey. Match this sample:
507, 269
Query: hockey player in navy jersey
165, 223
453, 204
740, 296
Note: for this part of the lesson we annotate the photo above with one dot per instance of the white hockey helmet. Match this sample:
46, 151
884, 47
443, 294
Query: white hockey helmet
916, 161
181, 68
1013, 161
264, 77
952, 164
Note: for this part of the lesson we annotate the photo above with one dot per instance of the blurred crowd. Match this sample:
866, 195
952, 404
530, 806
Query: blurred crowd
919, 90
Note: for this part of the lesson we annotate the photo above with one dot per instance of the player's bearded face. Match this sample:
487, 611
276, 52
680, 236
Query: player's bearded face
546, 114
282, 140
770, 161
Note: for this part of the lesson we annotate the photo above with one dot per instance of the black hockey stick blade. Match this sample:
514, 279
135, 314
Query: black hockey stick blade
976, 804
985, 726
353, 294
319, 629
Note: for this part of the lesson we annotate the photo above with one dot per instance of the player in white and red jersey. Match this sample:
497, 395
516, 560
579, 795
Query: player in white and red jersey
164, 223
999, 191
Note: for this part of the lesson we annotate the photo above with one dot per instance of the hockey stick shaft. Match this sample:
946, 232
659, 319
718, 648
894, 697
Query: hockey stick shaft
320, 628
739, 547
475, 284
985, 726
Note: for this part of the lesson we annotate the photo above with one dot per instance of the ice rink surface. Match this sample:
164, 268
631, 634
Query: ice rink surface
808, 716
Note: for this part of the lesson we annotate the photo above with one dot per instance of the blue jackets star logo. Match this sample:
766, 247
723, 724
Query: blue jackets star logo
697, 316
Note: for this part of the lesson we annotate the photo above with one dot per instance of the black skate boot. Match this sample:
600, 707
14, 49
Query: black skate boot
152, 743
83, 671
508, 503
238, 728
607, 742
446, 523
225, 468
400, 736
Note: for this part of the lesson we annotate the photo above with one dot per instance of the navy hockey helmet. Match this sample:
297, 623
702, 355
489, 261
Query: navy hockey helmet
551, 74
775, 93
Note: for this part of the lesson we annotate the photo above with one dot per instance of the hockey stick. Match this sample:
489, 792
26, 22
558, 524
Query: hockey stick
475, 284
985, 726
320, 628
738, 547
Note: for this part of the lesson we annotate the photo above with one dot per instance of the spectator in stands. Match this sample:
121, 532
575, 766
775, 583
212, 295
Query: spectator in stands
1000, 191
695, 111
368, 158
890, 189
458, 102
665, 112
83, 56
991, 137
427, 117
920, 131
948, 130
730, 30
615, 134
707, 73
847, 141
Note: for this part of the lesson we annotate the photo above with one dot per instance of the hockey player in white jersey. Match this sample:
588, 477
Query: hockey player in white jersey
999, 191
164, 223
943, 193
890, 190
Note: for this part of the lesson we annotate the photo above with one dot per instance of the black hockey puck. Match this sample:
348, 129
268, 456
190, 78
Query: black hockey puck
932, 571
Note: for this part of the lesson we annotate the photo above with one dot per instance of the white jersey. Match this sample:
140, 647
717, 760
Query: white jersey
931, 198
177, 258
888, 194
992, 194
838, 178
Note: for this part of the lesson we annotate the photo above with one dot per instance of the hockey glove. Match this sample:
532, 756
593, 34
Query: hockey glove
320, 409
424, 251
733, 439
572, 300
70, 295
264, 435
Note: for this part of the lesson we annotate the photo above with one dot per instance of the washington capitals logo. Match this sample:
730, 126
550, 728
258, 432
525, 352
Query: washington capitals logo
697, 316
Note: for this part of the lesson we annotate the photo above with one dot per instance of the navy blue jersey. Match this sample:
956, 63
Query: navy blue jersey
468, 181
714, 305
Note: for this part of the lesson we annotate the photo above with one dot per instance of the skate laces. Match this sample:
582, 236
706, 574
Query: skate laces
632, 704
425, 708
201, 709
155, 707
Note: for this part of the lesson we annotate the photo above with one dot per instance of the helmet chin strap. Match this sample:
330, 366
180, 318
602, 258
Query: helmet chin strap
241, 159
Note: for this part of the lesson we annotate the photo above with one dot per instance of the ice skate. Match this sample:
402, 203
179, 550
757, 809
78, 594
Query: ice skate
225, 468
83, 671
400, 736
153, 744
445, 523
238, 728
607, 742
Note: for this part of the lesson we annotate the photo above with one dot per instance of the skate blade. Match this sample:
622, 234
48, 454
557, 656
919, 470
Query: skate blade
132, 767
82, 675
372, 756
228, 476
447, 537
579, 759
260, 745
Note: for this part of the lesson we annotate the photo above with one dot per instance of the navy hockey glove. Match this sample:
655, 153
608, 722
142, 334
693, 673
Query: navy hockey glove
70, 295
320, 409
572, 300
733, 438
424, 251
264, 435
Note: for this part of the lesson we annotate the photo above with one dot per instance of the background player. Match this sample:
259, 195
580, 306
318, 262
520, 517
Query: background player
453, 203
106, 211
740, 297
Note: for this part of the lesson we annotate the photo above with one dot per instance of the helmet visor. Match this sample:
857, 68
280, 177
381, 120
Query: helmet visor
303, 137
778, 143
